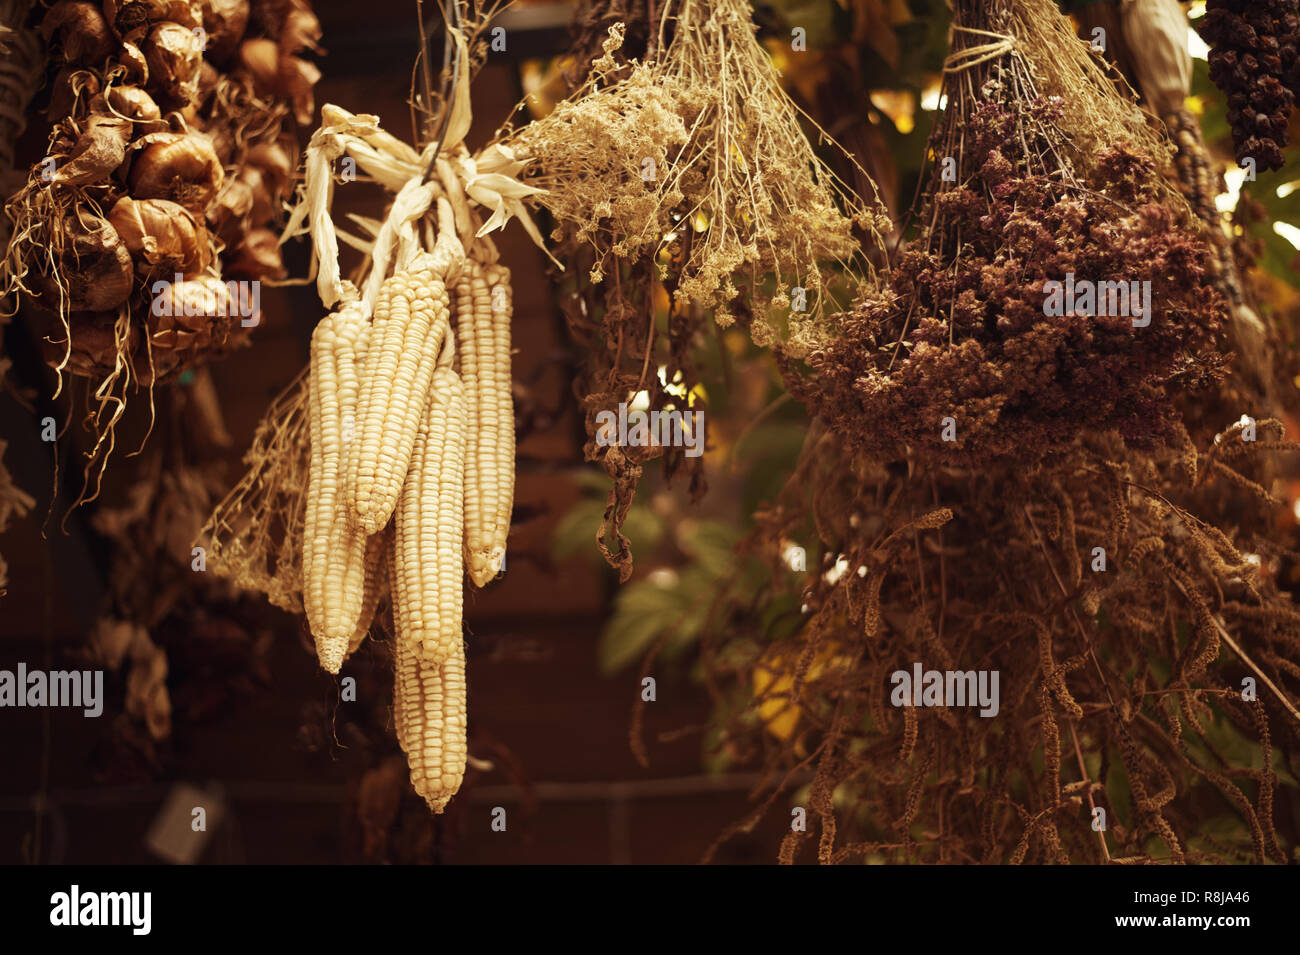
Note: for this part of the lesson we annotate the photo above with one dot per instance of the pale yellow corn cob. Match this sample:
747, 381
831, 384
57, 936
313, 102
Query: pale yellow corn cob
376, 586
316, 520
430, 524
445, 739
352, 331
501, 304
429, 712
411, 320
485, 364
430, 716
468, 363
334, 547
405, 656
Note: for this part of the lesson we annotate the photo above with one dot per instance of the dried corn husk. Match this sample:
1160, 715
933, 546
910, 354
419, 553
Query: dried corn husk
1156, 32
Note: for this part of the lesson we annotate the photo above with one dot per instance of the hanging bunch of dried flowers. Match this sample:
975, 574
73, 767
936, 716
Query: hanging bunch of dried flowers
1060, 282
1131, 639
679, 179
170, 154
698, 151
1125, 654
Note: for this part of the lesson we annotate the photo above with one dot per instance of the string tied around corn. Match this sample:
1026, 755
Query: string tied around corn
487, 179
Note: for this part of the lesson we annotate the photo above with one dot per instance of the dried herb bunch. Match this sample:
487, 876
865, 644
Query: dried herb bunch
1121, 676
1095, 537
968, 329
733, 213
614, 322
253, 536
1255, 60
697, 152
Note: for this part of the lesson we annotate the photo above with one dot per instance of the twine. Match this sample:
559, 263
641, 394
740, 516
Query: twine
973, 56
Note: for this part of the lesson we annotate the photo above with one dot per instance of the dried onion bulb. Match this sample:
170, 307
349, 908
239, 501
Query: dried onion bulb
182, 167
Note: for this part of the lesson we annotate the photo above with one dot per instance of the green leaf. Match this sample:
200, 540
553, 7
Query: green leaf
711, 546
781, 617
575, 532
1279, 257
643, 610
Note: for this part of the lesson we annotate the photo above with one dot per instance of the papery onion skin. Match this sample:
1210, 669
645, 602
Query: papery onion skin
182, 167
174, 54
133, 103
257, 257
84, 37
163, 237
95, 266
133, 18
260, 59
99, 151
225, 22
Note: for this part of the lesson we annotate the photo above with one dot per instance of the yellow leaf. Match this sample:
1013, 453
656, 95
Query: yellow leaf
774, 681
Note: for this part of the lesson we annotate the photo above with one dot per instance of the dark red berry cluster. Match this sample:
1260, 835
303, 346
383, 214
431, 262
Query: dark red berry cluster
1255, 61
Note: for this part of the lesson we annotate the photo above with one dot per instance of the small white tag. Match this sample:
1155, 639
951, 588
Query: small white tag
185, 823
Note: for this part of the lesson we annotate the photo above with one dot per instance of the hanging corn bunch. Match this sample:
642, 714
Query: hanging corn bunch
403, 426
141, 238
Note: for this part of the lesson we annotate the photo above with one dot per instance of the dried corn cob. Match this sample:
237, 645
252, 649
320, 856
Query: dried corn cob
411, 320
404, 655
485, 365
501, 302
376, 585
429, 708
334, 547
430, 524
429, 712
